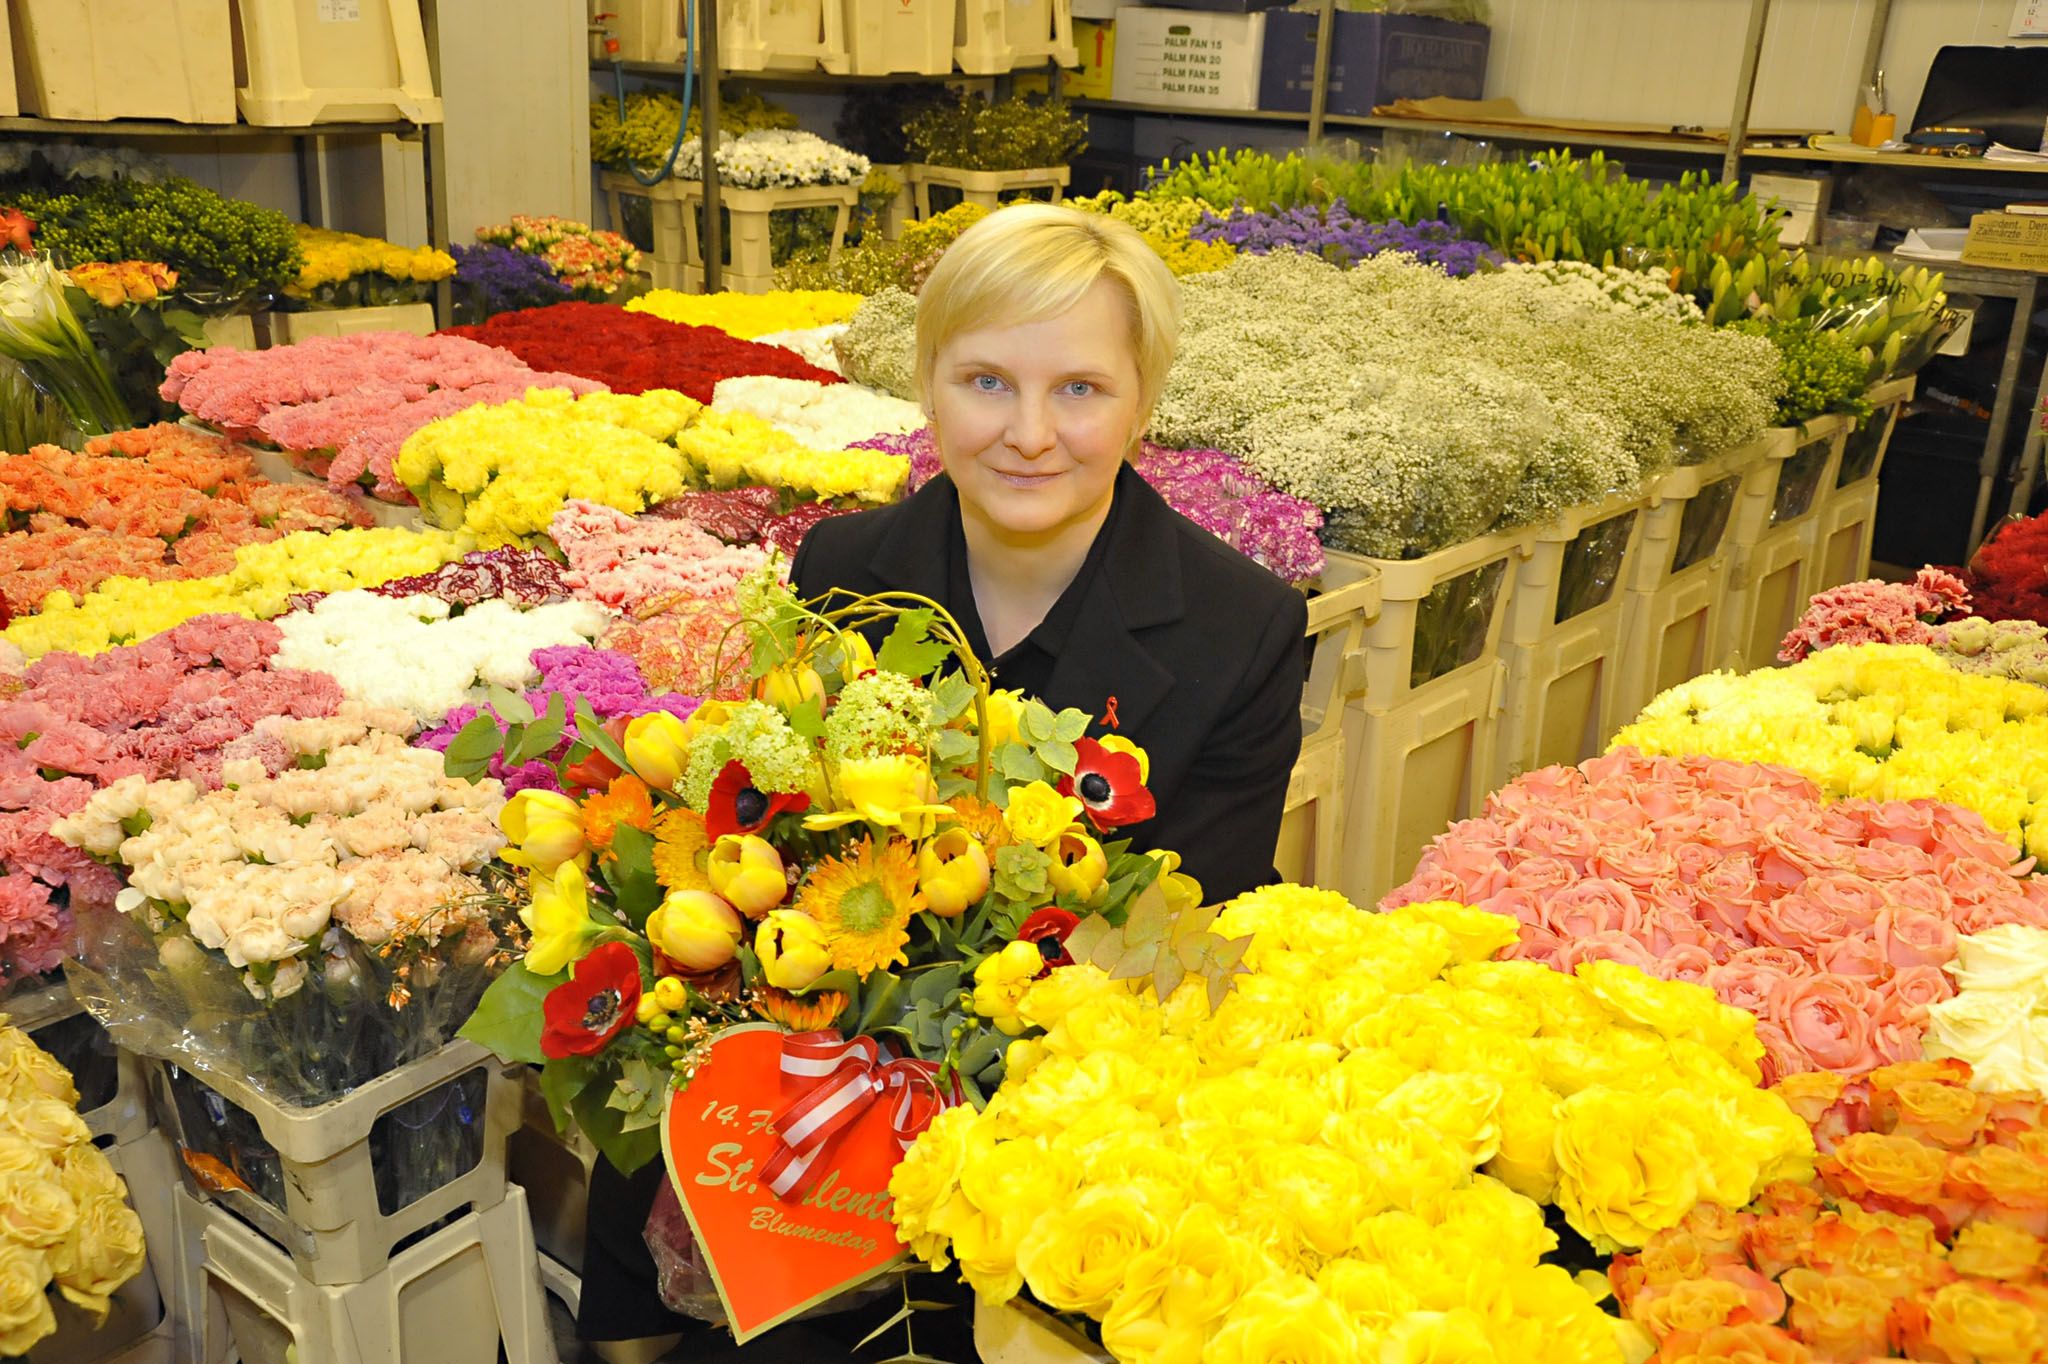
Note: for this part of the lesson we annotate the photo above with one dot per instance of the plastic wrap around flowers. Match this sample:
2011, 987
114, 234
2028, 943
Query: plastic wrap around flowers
1884, 721
1920, 1238
1830, 923
1214, 490
1346, 1159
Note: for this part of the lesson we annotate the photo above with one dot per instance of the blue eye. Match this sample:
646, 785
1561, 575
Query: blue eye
986, 383
1080, 388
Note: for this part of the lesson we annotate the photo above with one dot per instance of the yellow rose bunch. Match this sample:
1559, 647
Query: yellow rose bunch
733, 449
1881, 721
64, 1214
750, 315
1345, 1160
129, 610
502, 470
114, 283
335, 257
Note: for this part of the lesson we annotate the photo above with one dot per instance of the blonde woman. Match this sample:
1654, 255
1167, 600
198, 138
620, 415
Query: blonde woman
1043, 339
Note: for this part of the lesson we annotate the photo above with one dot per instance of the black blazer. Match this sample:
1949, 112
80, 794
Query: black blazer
1202, 649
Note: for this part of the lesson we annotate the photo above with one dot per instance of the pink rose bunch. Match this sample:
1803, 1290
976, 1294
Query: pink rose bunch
628, 563
1874, 612
357, 396
1830, 923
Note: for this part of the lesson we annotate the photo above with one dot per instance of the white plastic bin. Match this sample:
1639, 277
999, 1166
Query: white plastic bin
994, 36
899, 37
103, 59
334, 61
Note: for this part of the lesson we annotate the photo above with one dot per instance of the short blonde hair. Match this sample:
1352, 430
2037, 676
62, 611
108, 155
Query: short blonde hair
1030, 262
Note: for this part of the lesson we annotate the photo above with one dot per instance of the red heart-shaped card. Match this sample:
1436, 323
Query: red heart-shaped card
773, 1258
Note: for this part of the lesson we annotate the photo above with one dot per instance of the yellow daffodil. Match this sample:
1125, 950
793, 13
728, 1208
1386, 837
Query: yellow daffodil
748, 873
695, 929
1038, 815
1079, 865
559, 918
658, 749
885, 790
544, 829
792, 949
953, 872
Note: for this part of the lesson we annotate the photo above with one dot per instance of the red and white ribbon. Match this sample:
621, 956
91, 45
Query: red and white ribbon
844, 1077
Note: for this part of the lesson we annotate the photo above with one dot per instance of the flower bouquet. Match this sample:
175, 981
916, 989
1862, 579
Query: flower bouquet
344, 270
1165, 226
1881, 721
139, 323
821, 416
1348, 1157
41, 333
1920, 1239
68, 1226
226, 252
1831, 923
592, 263
632, 351
874, 851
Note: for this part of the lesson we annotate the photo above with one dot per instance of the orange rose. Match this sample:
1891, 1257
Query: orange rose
1949, 1070
1915, 1233
1941, 1114
1718, 1229
1688, 1307
1751, 1344
1810, 1093
1878, 1255
1872, 1164
1777, 1242
1843, 1316
2007, 1185
1995, 1250
2014, 1116
1969, 1322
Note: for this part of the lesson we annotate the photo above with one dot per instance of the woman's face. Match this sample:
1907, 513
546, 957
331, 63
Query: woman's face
1034, 419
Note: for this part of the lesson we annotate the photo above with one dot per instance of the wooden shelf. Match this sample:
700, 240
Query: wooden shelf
1848, 153
801, 79
137, 127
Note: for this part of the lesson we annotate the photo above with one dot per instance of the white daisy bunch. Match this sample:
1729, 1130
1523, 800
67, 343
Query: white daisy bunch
1615, 287
820, 416
412, 654
775, 158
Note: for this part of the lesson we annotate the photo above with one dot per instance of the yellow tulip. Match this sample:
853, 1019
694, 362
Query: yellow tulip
657, 748
563, 931
747, 871
786, 688
884, 790
953, 873
792, 949
545, 829
1079, 866
856, 655
707, 717
1005, 715
695, 929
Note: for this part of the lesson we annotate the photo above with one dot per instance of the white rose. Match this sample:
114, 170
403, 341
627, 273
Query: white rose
1983, 1027
2010, 957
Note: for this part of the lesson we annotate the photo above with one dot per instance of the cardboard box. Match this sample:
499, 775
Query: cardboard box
1374, 59
1804, 199
2014, 241
1096, 42
1188, 58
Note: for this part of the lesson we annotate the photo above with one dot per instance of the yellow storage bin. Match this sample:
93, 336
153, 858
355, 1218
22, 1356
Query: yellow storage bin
334, 61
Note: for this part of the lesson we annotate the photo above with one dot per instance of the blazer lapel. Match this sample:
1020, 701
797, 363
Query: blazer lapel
912, 556
1138, 588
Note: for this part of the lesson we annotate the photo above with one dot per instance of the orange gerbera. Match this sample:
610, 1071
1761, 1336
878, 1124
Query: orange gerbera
625, 802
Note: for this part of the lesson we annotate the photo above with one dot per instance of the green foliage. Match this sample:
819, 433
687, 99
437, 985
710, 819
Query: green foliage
1894, 319
1023, 133
648, 129
1164, 948
876, 265
1823, 372
217, 245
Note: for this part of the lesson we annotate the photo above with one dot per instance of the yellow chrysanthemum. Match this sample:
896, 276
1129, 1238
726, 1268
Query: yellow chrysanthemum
679, 850
864, 898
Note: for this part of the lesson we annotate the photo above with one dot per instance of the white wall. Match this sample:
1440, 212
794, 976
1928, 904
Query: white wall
1676, 61
515, 77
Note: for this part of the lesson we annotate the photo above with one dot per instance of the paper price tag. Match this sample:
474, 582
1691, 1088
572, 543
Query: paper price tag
340, 11
2029, 19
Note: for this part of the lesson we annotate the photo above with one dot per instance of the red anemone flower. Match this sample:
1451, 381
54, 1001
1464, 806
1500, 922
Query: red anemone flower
739, 807
596, 1003
1109, 784
1049, 928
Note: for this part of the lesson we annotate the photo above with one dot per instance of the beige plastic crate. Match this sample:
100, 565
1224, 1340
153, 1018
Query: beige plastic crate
899, 37
994, 36
194, 1330
334, 61
554, 1169
897, 215
1864, 449
103, 59
414, 319
10, 101
458, 1296
648, 30
1774, 560
782, 35
986, 188
39, 1012
331, 1222
1843, 533
1311, 844
1564, 638
677, 261
235, 333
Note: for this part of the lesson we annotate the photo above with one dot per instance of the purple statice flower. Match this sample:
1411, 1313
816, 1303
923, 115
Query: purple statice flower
919, 445
1343, 240
498, 279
